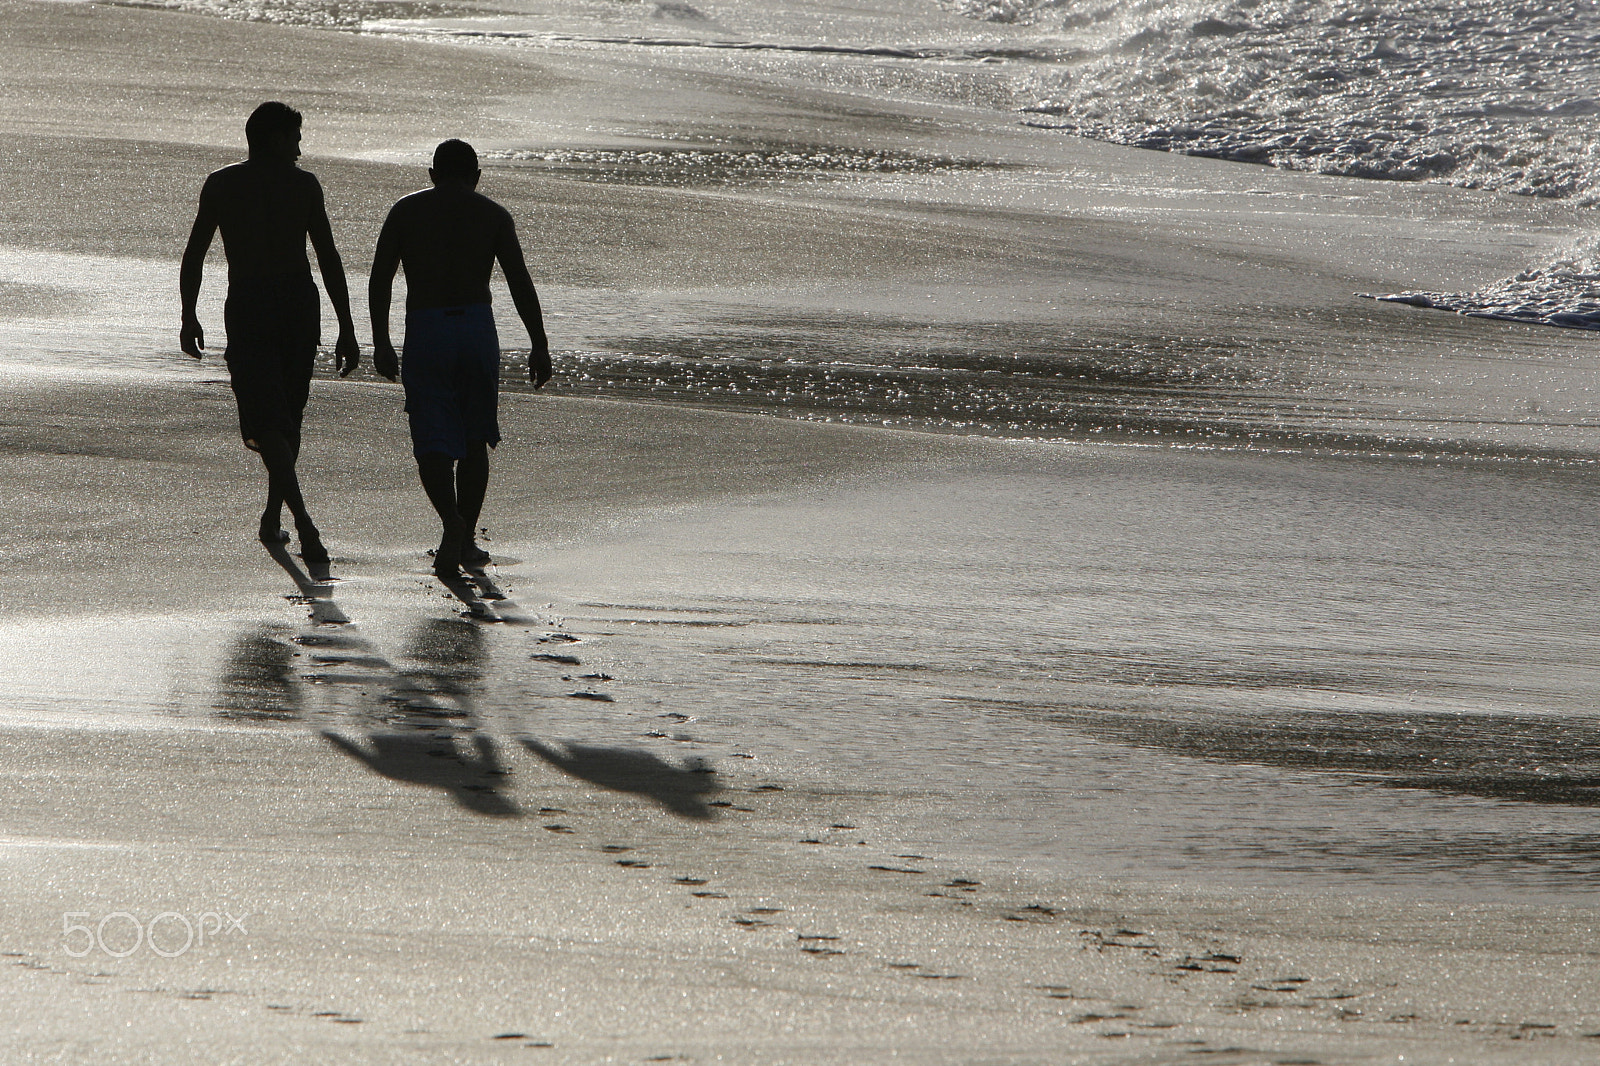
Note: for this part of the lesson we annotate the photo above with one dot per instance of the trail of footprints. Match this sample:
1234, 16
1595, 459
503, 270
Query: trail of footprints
342, 649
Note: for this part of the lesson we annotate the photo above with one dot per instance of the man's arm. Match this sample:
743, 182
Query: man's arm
191, 338
509, 251
346, 350
380, 291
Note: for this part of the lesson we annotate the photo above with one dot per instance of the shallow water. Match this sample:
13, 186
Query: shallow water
1347, 672
1234, 671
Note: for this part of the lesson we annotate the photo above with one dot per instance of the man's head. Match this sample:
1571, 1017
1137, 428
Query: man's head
273, 132
455, 163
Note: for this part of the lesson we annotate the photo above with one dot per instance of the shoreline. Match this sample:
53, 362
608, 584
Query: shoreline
1194, 293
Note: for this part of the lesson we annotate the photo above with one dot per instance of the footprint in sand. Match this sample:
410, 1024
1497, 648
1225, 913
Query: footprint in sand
552, 657
556, 828
688, 880
1282, 984
709, 895
818, 945
914, 969
1211, 962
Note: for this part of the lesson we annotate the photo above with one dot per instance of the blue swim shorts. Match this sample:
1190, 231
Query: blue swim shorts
451, 371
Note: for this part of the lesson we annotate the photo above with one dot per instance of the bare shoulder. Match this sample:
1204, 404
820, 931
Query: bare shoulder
412, 202
229, 177
493, 213
410, 210
307, 183
237, 178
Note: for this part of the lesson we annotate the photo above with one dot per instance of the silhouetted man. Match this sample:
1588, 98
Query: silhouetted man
448, 238
266, 207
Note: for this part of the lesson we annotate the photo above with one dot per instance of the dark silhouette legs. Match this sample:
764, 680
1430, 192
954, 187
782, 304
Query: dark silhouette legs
472, 483
272, 514
456, 489
278, 452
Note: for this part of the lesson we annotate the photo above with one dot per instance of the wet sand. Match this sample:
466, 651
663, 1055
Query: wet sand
555, 836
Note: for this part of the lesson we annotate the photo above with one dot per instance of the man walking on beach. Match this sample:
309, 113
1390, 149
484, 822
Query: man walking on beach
448, 239
266, 207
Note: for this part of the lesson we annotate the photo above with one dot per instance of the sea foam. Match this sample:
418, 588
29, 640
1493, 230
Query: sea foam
1481, 93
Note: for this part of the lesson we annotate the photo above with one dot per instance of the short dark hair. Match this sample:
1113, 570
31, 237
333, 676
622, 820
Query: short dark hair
270, 118
455, 159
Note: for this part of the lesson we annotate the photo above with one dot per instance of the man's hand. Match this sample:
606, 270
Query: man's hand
539, 361
384, 359
191, 338
347, 353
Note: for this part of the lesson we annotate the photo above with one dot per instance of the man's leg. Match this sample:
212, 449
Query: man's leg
272, 516
279, 454
438, 474
472, 483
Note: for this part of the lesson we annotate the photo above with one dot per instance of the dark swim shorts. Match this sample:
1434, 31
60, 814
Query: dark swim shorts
274, 325
451, 372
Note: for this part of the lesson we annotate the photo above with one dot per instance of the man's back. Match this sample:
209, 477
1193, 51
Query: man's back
447, 241
265, 211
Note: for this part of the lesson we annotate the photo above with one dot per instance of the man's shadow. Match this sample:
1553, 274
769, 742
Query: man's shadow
469, 777
452, 659
683, 790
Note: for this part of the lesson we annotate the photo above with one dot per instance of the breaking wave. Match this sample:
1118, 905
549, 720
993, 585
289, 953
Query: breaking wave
1494, 94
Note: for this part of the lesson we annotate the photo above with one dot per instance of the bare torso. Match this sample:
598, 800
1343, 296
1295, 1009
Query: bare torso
265, 211
447, 241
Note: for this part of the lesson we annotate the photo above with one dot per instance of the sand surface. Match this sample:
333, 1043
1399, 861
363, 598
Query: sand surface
774, 758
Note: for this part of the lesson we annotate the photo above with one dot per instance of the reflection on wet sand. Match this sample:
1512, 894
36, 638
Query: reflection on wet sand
418, 722
414, 724
257, 682
452, 654
683, 790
